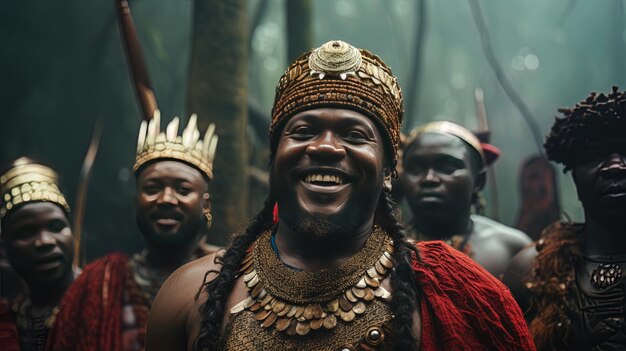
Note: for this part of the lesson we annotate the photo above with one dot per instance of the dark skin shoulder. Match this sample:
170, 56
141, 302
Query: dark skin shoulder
516, 275
494, 244
174, 317
171, 313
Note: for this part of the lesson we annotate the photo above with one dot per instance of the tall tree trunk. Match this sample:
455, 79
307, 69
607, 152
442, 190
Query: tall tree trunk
299, 27
218, 92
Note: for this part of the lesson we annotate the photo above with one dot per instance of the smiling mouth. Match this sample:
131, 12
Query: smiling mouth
167, 221
167, 218
49, 262
429, 195
614, 191
614, 195
324, 179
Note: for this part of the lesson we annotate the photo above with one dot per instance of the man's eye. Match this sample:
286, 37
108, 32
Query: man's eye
356, 135
415, 169
151, 189
24, 233
302, 131
184, 190
56, 226
448, 170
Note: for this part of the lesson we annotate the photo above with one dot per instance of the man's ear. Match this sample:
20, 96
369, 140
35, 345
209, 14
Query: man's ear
387, 180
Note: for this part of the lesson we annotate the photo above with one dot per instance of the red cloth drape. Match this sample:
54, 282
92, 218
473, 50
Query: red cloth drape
9, 340
464, 307
90, 316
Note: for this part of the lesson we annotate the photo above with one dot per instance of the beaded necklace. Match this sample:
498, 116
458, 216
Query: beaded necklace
296, 302
33, 327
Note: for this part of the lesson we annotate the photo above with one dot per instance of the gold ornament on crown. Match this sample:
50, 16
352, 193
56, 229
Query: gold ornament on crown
335, 57
153, 144
29, 182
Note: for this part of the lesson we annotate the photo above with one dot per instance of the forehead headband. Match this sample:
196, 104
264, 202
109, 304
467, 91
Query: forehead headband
449, 128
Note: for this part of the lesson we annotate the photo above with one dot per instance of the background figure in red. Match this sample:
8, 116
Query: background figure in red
540, 200
107, 307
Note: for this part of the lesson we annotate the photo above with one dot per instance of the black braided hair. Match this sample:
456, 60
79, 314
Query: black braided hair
405, 297
583, 132
213, 309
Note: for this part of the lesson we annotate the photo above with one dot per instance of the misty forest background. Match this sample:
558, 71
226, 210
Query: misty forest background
62, 68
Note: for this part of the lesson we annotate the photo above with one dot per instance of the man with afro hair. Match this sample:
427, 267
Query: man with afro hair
572, 282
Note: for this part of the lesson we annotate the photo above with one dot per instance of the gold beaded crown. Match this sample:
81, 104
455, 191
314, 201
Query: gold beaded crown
28, 182
339, 75
153, 144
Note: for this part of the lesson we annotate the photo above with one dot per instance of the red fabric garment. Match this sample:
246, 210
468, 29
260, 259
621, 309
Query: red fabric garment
90, 315
9, 339
275, 217
465, 307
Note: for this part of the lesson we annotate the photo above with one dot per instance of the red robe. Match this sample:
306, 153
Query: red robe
90, 315
9, 340
465, 307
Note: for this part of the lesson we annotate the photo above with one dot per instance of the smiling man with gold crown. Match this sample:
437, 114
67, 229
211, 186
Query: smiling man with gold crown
335, 271
107, 307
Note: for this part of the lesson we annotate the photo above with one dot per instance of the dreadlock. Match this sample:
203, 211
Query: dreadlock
218, 289
405, 295
581, 133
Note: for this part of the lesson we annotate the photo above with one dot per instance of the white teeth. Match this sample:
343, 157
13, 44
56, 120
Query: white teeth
323, 178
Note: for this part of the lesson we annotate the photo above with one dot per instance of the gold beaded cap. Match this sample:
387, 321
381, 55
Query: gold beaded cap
28, 182
339, 75
153, 144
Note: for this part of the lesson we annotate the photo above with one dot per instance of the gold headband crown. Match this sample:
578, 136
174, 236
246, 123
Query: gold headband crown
153, 144
338, 74
28, 182
450, 128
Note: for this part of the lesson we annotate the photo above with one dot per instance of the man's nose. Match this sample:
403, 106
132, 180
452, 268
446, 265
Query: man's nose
44, 239
326, 146
430, 178
167, 197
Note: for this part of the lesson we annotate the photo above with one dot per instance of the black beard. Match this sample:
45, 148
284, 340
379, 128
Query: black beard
320, 227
